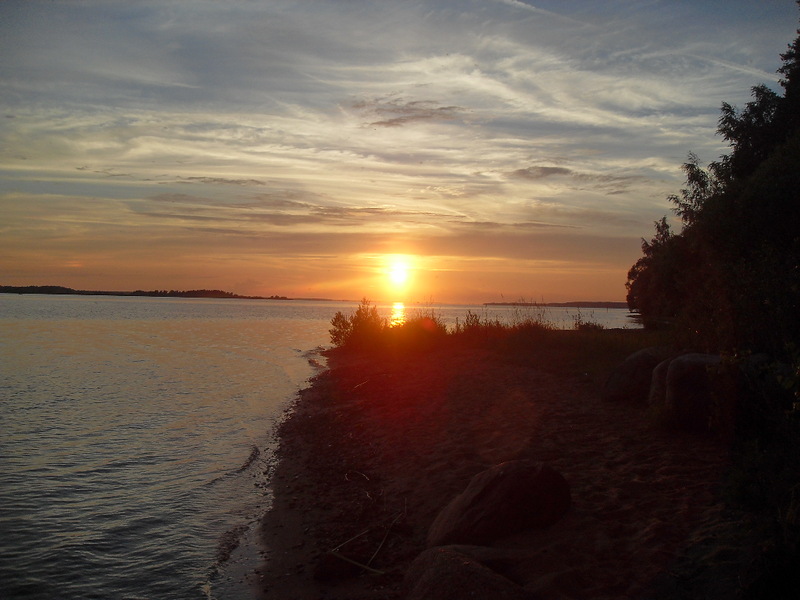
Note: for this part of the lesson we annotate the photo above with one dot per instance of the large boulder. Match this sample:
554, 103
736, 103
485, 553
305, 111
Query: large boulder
657, 396
447, 574
689, 391
630, 381
509, 497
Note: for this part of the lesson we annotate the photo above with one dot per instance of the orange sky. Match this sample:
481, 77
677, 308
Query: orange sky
510, 150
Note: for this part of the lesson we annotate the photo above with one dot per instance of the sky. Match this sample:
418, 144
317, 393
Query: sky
438, 151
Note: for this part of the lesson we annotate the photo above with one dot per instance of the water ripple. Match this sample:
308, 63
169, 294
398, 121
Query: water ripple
113, 430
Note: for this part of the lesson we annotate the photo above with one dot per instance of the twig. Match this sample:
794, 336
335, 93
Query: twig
355, 537
347, 475
366, 567
356, 563
383, 541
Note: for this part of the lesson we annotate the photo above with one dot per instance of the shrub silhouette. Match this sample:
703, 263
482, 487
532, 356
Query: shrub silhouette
362, 329
365, 329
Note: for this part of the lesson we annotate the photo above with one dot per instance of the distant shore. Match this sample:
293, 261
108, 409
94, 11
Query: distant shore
67, 291
571, 304
61, 290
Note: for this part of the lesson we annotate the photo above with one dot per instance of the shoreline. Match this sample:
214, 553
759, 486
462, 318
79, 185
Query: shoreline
374, 448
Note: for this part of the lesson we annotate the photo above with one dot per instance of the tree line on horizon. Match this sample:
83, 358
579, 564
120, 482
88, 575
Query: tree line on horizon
59, 289
729, 280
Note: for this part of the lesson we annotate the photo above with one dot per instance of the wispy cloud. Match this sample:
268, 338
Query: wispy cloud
508, 128
396, 112
541, 172
530, 7
222, 181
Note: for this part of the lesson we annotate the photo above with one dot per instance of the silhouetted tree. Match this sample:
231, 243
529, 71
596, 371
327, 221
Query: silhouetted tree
653, 280
731, 276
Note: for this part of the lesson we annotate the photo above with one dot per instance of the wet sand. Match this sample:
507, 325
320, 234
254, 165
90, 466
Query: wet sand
375, 448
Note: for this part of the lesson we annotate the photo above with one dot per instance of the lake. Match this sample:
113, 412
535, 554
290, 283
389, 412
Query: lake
138, 436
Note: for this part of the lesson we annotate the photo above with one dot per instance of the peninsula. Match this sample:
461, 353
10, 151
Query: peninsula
58, 289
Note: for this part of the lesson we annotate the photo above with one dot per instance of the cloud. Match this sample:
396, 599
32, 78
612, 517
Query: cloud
540, 172
106, 172
518, 4
357, 214
602, 182
611, 184
397, 112
222, 181
504, 127
484, 226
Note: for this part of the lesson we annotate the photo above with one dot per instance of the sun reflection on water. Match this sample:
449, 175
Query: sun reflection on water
398, 316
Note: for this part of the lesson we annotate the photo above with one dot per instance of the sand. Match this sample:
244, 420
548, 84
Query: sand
375, 448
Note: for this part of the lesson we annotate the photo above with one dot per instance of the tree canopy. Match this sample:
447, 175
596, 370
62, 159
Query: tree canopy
730, 279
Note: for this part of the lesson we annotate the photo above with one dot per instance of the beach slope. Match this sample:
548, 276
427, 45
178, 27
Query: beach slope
379, 444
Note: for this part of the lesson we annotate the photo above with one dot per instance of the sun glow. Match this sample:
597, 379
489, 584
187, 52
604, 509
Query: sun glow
398, 316
398, 272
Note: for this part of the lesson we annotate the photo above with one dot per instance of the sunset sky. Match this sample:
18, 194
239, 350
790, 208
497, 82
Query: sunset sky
446, 151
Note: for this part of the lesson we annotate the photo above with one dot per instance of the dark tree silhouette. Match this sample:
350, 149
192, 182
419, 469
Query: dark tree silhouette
730, 279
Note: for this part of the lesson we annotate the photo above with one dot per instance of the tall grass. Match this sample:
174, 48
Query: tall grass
527, 337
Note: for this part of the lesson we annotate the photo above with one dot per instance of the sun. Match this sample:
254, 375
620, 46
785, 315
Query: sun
398, 273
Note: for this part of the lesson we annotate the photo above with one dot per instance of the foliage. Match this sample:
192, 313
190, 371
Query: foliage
422, 331
701, 184
654, 281
581, 323
729, 282
361, 329
730, 279
587, 350
477, 327
365, 329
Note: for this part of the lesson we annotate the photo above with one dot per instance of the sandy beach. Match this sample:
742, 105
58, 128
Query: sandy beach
375, 448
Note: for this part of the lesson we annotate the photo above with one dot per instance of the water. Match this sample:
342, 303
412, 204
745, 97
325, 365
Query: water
138, 435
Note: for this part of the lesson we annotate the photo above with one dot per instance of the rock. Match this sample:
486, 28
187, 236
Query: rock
630, 381
658, 384
688, 390
446, 574
509, 497
508, 562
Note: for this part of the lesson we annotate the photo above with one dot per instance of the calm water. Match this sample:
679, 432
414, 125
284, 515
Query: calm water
137, 437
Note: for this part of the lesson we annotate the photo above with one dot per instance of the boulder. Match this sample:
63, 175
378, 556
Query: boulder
658, 384
688, 390
446, 574
509, 497
508, 562
630, 381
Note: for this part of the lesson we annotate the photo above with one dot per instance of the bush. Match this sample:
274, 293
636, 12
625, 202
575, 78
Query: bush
420, 332
476, 328
364, 328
